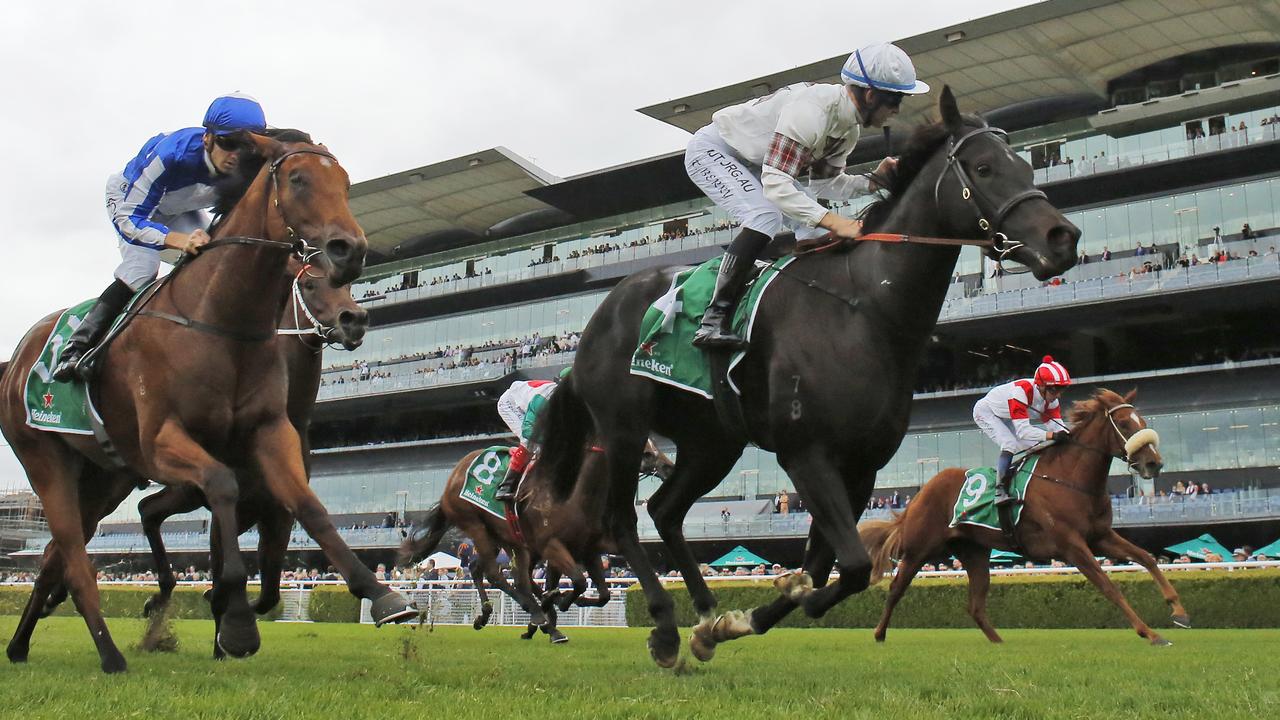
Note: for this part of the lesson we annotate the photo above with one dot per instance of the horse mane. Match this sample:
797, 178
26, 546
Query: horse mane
1084, 412
230, 188
921, 146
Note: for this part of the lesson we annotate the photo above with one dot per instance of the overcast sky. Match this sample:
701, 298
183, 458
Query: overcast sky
387, 86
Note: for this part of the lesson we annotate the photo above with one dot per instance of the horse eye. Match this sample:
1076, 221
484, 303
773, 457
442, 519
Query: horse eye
984, 170
309, 285
296, 178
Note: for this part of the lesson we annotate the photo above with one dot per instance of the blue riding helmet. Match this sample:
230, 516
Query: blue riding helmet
234, 112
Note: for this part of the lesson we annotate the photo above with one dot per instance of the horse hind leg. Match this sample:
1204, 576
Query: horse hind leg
48, 581
907, 569
977, 565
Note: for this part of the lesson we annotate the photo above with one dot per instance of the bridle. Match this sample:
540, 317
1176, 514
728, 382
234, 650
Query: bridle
273, 173
995, 241
980, 203
301, 309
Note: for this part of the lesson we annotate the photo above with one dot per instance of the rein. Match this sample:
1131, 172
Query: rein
1132, 444
995, 240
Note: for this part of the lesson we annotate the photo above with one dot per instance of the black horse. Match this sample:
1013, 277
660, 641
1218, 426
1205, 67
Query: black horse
827, 380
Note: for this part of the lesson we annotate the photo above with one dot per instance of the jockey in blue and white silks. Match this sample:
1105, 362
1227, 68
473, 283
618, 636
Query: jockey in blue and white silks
158, 202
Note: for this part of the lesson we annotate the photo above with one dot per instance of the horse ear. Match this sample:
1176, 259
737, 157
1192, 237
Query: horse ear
1131, 395
950, 111
264, 147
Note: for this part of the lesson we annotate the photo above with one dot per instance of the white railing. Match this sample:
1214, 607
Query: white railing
1173, 151
1111, 288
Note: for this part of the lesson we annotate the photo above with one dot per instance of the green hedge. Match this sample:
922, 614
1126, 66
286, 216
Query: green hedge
126, 601
331, 603
1213, 598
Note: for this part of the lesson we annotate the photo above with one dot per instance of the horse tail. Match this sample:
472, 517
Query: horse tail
422, 540
564, 427
883, 540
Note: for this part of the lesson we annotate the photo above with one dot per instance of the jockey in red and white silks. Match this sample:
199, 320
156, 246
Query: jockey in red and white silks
1006, 412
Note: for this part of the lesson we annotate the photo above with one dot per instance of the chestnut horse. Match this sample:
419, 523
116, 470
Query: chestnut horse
194, 389
565, 529
1067, 515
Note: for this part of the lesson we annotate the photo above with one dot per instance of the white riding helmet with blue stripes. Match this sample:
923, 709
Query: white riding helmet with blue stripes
882, 66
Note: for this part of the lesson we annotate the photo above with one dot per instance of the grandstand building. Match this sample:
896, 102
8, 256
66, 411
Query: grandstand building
1154, 125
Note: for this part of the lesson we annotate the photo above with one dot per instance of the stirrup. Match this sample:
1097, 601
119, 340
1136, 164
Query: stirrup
717, 338
68, 369
1005, 498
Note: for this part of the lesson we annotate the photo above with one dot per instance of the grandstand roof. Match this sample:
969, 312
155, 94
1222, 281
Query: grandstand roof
1063, 47
447, 204
1039, 63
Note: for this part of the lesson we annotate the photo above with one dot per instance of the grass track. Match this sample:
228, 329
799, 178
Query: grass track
348, 671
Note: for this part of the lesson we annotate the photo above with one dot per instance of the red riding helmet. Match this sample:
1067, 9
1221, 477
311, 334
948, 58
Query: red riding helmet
1052, 374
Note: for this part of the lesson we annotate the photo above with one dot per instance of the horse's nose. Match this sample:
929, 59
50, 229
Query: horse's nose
347, 258
1153, 468
353, 323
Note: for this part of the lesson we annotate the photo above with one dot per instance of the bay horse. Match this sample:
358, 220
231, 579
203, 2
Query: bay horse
827, 381
559, 524
192, 390
316, 315
1066, 515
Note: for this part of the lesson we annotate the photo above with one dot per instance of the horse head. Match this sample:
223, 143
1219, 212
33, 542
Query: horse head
331, 311
307, 192
985, 190
1124, 433
655, 462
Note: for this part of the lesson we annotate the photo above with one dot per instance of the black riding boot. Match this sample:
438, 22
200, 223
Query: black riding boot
507, 490
95, 323
716, 329
1004, 479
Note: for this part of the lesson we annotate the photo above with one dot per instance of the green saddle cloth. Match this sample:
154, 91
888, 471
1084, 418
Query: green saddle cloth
484, 475
57, 406
66, 406
976, 503
666, 352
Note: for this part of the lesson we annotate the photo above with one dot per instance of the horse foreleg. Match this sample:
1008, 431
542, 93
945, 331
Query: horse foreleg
277, 452
154, 509
1078, 554
595, 570
825, 493
180, 460
273, 542
699, 468
1116, 547
558, 556
486, 607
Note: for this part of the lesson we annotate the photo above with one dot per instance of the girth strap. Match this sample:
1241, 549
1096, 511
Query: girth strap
208, 328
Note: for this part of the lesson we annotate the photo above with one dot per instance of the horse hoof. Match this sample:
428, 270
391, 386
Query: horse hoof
1182, 621
17, 656
663, 651
392, 608
528, 635
731, 626
114, 664
558, 638
701, 646
479, 623
794, 586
